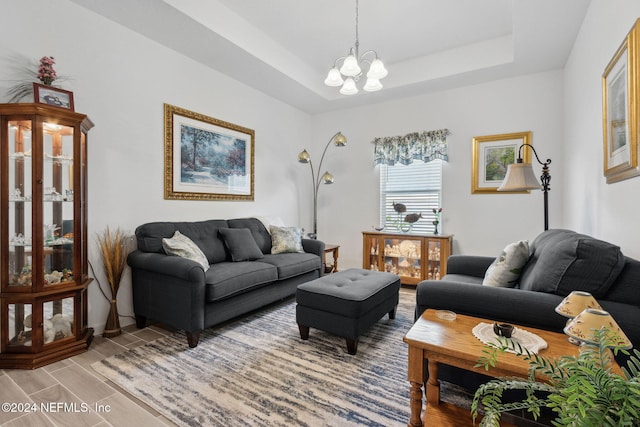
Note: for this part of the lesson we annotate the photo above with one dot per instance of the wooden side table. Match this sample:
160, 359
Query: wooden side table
333, 249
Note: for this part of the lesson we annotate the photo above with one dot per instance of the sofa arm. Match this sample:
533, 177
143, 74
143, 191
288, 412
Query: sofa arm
510, 305
313, 246
169, 289
468, 265
173, 266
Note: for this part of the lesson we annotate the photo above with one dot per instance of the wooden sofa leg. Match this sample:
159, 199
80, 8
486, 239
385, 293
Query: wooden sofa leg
141, 321
392, 313
193, 338
304, 331
352, 346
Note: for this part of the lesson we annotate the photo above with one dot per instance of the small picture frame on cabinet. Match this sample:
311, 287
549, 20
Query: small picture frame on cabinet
50, 95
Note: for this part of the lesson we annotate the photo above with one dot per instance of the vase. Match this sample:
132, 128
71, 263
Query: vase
435, 230
112, 328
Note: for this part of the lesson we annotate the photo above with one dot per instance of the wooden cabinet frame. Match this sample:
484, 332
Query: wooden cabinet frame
414, 257
43, 274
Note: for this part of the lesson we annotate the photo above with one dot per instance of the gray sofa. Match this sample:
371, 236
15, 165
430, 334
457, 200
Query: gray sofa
178, 292
560, 261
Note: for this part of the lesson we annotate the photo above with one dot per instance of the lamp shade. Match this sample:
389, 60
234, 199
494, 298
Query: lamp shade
520, 177
583, 326
327, 178
349, 87
377, 70
372, 85
350, 67
304, 157
334, 78
340, 140
575, 303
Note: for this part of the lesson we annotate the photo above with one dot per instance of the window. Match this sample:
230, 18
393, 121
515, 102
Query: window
418, 186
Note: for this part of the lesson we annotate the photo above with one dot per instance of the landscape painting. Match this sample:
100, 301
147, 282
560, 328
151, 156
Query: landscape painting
206, 159
491, 157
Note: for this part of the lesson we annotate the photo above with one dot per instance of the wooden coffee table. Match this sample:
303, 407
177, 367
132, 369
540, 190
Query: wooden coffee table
451, 342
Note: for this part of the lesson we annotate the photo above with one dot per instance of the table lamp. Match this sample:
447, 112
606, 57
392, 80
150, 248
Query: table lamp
583, 327
575, 303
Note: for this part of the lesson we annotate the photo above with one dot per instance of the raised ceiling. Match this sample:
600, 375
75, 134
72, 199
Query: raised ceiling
285, 47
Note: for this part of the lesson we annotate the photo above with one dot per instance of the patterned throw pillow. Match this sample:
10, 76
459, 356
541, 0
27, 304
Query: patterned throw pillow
285, 239
505, 271
182, 246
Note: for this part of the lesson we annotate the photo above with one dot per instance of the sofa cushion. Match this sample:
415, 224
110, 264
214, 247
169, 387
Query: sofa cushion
203, 233
226, 279
258, 231
563, 261
626, 288
182, 246
285, 239
241, 245
505, 271
293, 264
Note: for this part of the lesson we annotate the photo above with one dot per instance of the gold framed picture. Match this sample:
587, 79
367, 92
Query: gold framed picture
206, 158
620, 111
492, 155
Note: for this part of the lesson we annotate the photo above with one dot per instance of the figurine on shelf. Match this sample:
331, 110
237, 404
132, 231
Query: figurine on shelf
61, 326
23, 278
52, 278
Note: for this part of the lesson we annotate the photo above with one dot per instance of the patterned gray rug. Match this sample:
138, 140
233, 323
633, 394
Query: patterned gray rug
257, 371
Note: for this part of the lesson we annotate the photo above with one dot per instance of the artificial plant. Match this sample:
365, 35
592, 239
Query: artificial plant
582, 390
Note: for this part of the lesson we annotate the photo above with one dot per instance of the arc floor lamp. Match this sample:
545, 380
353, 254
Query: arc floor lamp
340, 141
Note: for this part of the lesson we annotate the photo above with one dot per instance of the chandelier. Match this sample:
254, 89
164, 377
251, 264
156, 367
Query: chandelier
352, 71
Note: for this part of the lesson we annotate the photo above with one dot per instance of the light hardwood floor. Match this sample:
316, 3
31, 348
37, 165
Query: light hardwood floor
74, 394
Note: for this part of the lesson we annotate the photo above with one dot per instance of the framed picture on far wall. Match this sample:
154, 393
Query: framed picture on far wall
491, 157
206, 158
50, 95
620, 111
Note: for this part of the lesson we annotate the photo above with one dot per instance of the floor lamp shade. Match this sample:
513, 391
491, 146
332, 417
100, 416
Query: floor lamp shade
519, 177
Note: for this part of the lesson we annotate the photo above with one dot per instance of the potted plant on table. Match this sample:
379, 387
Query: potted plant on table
581, 390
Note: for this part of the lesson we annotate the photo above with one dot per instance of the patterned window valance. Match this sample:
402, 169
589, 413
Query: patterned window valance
425, 146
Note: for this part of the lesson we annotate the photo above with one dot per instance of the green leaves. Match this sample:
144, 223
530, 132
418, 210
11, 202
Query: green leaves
582, 390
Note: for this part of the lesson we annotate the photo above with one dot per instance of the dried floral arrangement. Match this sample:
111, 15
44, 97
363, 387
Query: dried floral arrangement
113, 246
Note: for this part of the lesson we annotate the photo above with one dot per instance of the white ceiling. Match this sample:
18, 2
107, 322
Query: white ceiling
285, 47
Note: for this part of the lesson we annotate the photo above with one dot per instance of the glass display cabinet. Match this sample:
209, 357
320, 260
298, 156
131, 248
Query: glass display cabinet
413, 257
43, 235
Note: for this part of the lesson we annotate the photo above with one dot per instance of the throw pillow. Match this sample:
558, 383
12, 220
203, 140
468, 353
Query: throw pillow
241, 244
285, 239
182, 246
505, 271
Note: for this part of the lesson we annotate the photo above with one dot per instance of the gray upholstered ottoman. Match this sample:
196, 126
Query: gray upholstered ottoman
346, 303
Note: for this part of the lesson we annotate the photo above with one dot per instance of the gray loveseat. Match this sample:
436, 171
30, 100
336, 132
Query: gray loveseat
178, 292
560, 261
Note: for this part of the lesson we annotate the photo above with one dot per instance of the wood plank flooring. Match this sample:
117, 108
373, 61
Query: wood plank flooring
73, 394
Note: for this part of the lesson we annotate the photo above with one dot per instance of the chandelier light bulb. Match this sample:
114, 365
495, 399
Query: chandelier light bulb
377, 70
350, 67
349, 87
334, 78
372, 85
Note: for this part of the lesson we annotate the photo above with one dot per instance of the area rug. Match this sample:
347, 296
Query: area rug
257, 371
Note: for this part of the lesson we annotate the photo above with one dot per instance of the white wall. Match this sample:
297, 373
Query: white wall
481, 223
121, 80
607, 211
